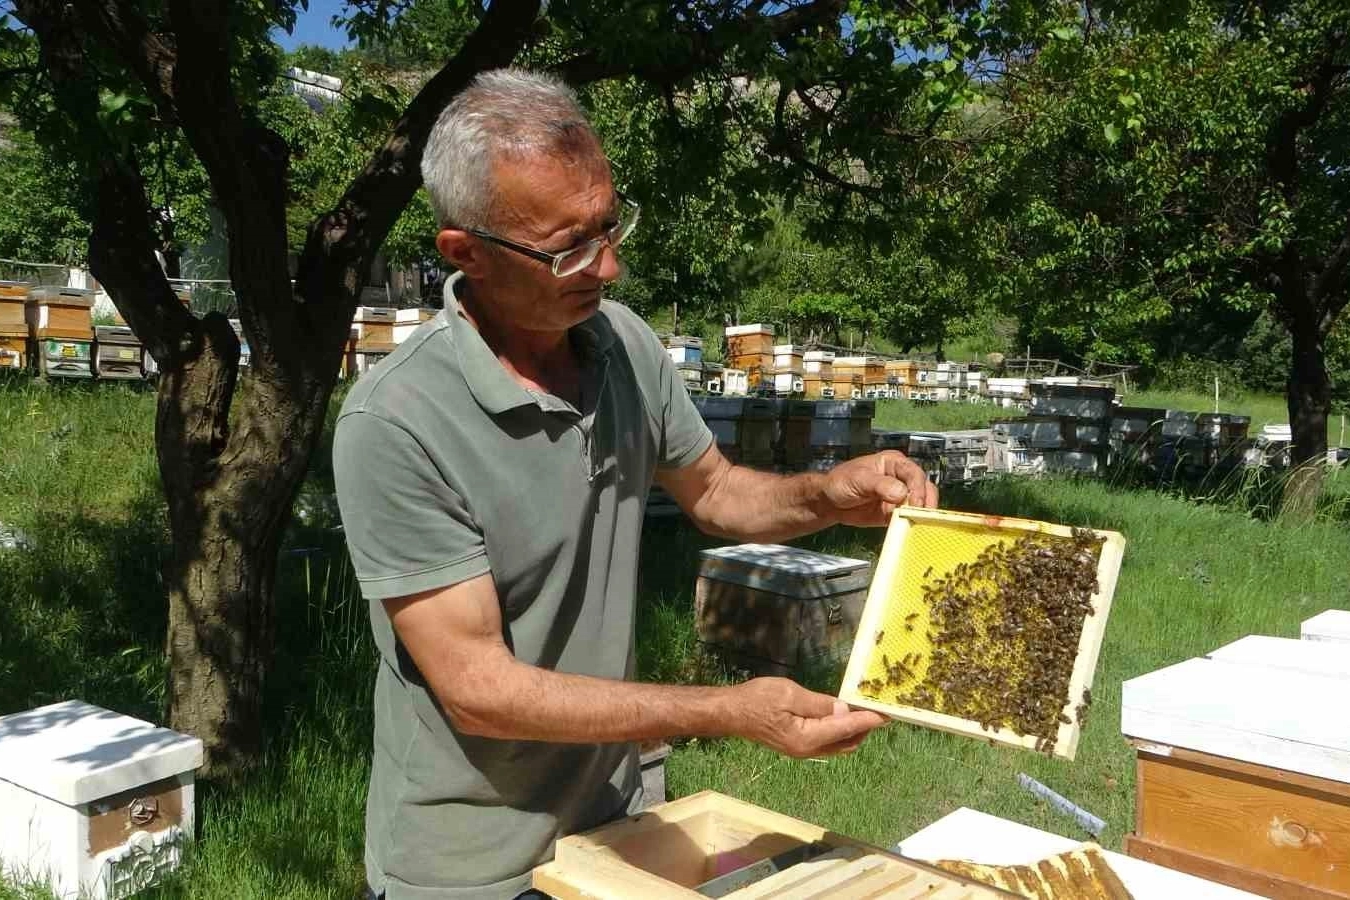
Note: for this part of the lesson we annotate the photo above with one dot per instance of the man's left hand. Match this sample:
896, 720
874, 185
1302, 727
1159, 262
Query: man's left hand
865, 491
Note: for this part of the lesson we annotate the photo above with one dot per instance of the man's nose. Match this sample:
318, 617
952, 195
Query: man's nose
606, 265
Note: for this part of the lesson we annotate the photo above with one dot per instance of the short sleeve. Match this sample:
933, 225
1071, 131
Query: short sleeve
407, 530
685, 435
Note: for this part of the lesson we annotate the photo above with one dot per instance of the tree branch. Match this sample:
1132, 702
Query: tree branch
707, 48
782, 144
348, 236
121, 245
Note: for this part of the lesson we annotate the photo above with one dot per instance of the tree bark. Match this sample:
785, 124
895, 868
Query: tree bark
1309, 399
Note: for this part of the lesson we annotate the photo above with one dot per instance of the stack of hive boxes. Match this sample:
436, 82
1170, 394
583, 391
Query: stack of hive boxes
949, 379
789, 369
924, 387
817, 379
750, 349
868, 373
118, 353
977, 386
13, 325
742, 426
1009, 393
901, 375
792, 434
374, 335
687, 354
840, 430
1068, 430
60, 320
965, 455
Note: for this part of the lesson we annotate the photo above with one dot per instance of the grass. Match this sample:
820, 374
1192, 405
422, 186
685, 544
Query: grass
82, 615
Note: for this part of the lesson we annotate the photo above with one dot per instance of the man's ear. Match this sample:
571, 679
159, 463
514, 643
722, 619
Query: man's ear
463, 250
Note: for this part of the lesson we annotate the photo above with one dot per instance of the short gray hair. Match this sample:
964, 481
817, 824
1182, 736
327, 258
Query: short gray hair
503, 112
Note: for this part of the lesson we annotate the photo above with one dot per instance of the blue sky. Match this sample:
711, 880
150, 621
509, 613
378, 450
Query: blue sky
312, 27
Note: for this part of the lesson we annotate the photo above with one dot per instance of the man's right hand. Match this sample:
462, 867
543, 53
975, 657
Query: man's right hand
786, 717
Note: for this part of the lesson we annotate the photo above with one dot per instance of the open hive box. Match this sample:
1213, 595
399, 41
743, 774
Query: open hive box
710, 845
985, 626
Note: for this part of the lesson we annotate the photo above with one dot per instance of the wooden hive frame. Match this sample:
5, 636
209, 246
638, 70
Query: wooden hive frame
888, 574
666, 852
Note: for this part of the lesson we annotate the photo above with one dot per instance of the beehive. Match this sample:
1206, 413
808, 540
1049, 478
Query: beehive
375, 329
61, 313
685, 349
775, 607
118, 353
407, 321
99, 803
788, 360
65, 358
711, 845
13, 315
1243, 766
1011, 656
749, 340
1086, 400
819, 362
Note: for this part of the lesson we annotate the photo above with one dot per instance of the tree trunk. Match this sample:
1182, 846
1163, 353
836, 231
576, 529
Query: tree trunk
1309, 398
229, 488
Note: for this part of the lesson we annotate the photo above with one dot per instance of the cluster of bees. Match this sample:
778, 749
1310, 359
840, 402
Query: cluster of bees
1004, 631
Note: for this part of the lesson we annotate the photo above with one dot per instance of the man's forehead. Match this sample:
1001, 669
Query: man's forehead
548, 194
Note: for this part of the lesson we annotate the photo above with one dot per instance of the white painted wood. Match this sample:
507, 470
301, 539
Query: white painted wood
1313, 657
734, 330
74, 752
1278, 717
968, 834
57, 763
1331, 625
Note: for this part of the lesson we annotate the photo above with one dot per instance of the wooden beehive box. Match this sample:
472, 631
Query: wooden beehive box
375, 329
65, 357
61, 313
13, 351
749, 340
778, 607
670, 851
118, 353
1243, 766
13, 316
965, 683
98, 802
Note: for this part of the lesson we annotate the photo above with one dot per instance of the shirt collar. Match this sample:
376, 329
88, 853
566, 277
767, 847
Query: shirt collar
489, 382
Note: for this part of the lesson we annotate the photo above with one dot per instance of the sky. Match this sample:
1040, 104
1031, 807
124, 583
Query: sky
312, 27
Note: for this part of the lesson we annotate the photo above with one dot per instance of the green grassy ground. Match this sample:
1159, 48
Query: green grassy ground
82, 615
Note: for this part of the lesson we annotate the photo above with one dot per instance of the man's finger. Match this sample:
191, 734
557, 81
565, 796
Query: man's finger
913, 476
838, 729
812, 705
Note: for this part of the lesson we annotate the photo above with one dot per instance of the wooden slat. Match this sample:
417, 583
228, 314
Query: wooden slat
1224, 873
1269, 716
1148, 749
1246, 821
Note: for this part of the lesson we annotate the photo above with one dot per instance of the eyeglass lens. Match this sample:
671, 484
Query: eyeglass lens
583, 256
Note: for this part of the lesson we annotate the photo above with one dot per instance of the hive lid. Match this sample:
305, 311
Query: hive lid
735, 330
791, 571
75, 752
66, 296
1264, 700
416, 314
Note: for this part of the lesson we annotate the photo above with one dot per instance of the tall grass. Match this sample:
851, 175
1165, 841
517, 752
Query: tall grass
82, 614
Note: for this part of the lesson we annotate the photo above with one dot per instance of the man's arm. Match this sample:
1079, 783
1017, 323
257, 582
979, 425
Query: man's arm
747, 505
454, 635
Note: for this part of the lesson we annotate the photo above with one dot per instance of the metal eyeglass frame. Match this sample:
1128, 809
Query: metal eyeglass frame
614, 236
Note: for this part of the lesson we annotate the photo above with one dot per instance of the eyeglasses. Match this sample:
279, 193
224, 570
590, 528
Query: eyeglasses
572, 261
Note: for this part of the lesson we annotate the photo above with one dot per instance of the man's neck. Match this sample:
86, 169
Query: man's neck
535, 358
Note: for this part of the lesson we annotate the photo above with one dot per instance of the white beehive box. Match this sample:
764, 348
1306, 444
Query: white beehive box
96, 803
407, 321
1331, 625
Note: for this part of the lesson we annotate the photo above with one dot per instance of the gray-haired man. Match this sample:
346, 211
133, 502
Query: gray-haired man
492, 475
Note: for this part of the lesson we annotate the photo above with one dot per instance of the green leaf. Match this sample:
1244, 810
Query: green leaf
1111, 132
1064, 33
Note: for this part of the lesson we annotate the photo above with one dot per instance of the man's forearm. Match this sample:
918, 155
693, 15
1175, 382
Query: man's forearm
523, 702
747, 505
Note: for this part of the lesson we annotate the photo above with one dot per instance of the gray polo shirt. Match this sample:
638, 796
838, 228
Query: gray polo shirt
448, 469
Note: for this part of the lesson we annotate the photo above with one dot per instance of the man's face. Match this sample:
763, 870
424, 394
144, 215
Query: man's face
554, 205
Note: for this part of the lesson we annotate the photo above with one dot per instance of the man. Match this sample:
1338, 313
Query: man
492, 475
